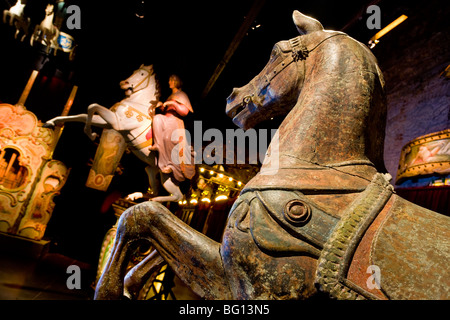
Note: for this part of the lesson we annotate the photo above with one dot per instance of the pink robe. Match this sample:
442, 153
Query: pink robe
174, 152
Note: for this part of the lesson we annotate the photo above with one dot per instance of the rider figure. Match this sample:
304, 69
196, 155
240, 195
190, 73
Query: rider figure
174, 153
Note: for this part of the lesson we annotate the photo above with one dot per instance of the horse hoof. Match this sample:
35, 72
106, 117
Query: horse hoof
166, 170
50, 125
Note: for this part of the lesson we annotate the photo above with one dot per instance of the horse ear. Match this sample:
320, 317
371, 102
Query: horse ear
305, 24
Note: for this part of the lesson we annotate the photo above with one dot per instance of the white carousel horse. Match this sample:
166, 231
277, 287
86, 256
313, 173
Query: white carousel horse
131, 118
14, 12
46, 31
17, 17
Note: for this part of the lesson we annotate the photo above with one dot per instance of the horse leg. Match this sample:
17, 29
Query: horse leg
137, 277
194, 258
152, 173
107, 115
54, 40
172, 188
96, 120
34, 35
17, 30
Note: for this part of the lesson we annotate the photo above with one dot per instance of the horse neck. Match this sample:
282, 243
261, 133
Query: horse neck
48, 21
331, 142
340, 114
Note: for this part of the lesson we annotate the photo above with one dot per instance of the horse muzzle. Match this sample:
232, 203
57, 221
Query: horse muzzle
242, 106
127, 87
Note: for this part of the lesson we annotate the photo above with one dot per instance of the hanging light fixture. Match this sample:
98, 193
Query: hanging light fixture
375, 39
140, 9
194, 197
222, 193
206, 195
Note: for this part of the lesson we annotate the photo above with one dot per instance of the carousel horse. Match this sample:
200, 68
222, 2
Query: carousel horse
131, 117
46, 32
326, 221
17, 17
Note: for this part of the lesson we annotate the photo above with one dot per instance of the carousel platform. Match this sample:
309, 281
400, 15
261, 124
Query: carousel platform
28, 271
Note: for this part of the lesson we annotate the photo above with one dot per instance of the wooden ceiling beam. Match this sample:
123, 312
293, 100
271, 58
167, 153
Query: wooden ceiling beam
248, 20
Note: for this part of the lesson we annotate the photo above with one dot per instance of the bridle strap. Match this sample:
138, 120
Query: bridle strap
299, 51
142, 81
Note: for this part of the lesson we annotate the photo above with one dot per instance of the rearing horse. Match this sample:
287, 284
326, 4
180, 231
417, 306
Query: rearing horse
132, 118
326, 218
46, 31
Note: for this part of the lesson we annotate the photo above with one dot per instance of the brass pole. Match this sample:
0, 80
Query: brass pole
252, 14
59, 128
28, 87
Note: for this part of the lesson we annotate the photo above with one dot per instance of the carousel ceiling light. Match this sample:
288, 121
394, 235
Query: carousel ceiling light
375, 39
221, 197
206, 200
140, 10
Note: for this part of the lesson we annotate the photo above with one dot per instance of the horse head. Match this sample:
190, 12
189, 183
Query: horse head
139, 80
322, 79
269, 94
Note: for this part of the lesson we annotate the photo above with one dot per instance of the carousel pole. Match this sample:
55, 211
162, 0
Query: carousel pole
59, 127
28, 87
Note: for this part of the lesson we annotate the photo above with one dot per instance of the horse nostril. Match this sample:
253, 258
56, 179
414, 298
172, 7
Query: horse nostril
297, 212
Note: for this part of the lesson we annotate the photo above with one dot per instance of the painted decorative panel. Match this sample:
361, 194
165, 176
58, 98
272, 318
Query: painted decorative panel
428, 154
29, 177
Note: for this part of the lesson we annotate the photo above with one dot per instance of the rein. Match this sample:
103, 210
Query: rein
298, 52
142, 81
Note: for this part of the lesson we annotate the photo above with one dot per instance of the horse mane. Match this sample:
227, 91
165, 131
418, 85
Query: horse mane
151, 69
157, 87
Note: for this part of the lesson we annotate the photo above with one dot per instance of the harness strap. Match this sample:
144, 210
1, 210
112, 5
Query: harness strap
143, 131
144, 144
337, 253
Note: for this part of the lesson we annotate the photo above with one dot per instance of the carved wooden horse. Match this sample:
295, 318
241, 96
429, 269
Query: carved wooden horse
46, 31
17, 17
131, 118
325, 218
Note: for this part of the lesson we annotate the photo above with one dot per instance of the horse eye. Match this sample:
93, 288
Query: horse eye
274, 52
